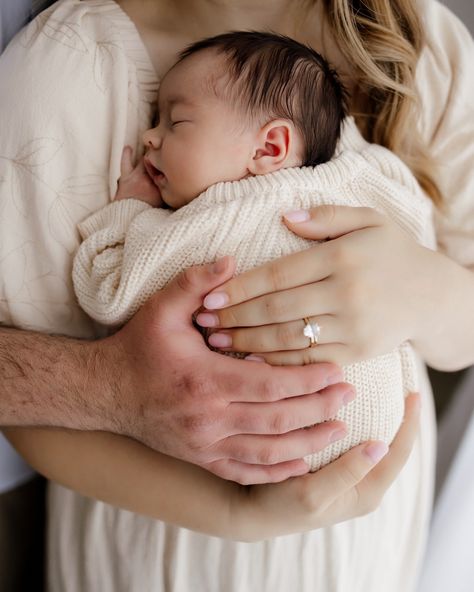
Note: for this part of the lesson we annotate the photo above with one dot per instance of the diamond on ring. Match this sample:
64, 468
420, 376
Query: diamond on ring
312, 331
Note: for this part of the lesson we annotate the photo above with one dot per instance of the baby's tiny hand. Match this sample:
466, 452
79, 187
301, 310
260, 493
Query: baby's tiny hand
135, 181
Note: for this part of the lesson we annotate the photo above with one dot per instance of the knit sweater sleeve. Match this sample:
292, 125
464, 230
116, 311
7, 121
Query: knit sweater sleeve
131, 250
112, 268
444, 78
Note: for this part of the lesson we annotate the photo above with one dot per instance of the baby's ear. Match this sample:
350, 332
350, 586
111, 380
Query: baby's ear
273, 147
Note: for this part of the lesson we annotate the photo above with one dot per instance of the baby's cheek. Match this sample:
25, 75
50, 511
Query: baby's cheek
199, 174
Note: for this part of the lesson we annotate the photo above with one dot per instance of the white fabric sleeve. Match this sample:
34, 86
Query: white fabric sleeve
446, 84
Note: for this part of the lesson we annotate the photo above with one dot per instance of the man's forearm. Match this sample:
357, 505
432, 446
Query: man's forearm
52, 381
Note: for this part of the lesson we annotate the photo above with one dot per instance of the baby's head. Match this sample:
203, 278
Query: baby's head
240, 104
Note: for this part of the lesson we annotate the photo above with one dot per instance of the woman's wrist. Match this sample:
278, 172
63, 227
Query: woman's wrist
443, 321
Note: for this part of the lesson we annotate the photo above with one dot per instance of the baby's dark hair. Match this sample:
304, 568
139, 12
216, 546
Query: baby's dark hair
279, 77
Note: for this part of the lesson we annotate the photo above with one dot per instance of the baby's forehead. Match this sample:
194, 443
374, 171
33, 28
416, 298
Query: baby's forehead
201, 75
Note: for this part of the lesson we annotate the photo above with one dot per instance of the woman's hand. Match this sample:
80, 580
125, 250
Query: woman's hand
369, 289
346, 488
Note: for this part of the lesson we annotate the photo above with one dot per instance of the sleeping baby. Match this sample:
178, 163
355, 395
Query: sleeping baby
249, 126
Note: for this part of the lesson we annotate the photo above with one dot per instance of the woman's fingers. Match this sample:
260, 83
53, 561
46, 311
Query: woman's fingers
334, 352
386, 472
329, 222
303, 267
281, 307
351, 486
277, 337
311, 265
363, 495
290, 414
338, 480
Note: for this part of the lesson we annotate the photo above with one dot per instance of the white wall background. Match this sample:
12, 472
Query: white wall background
464, 9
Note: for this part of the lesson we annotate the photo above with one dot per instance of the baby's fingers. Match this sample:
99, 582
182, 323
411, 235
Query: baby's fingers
126, 163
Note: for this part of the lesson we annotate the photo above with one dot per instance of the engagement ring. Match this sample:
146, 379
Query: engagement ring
312, 331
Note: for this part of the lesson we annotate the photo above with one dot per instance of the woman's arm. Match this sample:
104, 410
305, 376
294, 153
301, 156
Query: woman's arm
131, 476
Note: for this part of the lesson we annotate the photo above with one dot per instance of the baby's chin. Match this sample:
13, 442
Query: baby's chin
175, 202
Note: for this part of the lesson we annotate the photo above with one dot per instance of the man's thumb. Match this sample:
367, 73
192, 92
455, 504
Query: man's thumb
186, 292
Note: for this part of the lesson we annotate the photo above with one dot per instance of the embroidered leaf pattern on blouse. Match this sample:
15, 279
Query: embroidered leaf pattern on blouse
76, 199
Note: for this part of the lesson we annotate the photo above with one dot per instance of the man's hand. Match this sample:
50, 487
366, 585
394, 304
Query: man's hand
156, 381
242, 420
135, 181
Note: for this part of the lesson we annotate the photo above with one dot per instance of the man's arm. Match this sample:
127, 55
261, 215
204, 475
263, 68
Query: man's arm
54, 381
156, 381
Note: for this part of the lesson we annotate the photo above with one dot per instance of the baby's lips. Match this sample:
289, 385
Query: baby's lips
153, 172
148, 167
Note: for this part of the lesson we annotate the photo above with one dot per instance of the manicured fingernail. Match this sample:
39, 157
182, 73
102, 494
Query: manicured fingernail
376, 451
219, 266
206, 319
220, 340
348, 396
216, 300
253, 358
297, 216
337, 435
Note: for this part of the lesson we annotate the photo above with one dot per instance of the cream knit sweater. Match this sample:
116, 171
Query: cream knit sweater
131, 250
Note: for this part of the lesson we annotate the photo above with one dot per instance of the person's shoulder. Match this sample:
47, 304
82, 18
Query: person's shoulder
72, 24
445, 63
71, 47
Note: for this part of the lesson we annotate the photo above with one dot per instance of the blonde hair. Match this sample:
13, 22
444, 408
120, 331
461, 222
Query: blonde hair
382, 40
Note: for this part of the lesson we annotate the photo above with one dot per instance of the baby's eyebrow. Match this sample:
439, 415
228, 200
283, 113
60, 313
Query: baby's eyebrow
173, 100
169, 103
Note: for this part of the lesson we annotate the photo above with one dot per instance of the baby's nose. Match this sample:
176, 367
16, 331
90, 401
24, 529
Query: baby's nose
151, 138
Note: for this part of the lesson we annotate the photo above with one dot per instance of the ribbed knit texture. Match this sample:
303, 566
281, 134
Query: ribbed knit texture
131, 250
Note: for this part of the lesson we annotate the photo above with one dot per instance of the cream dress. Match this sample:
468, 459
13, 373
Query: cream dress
80, 86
